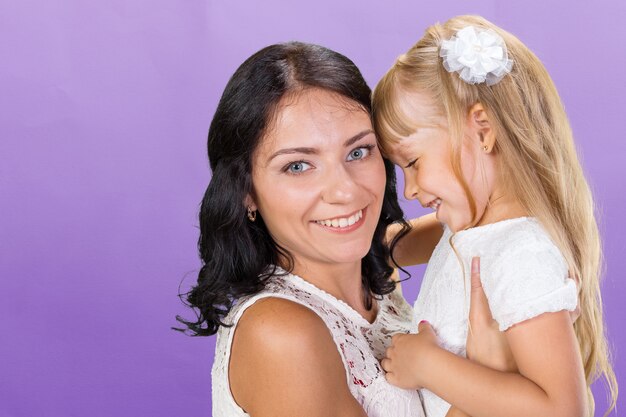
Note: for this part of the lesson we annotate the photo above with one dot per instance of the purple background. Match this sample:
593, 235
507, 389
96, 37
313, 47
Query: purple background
104, 110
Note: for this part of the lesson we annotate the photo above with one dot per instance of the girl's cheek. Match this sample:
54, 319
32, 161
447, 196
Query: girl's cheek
468, 168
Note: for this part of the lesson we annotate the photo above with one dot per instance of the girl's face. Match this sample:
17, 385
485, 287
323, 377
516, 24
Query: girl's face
425, 159
319, 178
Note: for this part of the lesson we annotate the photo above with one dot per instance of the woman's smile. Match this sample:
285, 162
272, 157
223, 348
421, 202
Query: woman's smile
343, 224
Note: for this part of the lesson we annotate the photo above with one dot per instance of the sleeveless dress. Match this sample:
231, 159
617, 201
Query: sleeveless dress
522, 272
360, 344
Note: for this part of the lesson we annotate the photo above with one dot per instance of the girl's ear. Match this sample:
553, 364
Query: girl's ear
478, 121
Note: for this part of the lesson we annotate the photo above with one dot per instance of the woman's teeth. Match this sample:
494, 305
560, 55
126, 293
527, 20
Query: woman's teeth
341, 221
435, 204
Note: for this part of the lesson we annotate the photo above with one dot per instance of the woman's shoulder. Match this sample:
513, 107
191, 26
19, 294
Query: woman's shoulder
285, 320
277, 319
278, 344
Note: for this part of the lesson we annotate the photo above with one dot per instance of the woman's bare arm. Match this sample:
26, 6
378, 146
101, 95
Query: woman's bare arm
416, 247
284, 363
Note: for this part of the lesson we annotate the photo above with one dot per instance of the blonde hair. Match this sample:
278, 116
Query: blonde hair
535, 145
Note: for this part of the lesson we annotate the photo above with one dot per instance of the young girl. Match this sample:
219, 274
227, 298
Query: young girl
475, 122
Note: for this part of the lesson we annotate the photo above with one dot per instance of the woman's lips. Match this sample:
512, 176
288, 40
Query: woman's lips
344, 223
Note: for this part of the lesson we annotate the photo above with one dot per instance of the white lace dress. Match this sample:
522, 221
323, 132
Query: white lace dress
522, 272
360, 344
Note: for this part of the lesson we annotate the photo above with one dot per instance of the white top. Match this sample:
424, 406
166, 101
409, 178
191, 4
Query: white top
360, 344
522, 272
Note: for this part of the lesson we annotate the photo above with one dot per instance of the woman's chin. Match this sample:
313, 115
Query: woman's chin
350, 255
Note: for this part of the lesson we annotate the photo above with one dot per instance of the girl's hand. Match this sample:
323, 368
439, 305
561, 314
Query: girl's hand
405, 358
485, 343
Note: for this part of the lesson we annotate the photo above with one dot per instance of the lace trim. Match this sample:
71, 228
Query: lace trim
339, 304
405, 403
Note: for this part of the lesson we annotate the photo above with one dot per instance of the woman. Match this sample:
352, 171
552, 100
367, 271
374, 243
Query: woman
296, 276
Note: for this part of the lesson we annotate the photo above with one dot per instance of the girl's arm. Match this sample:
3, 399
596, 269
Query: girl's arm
285, 363
550, 380
416, 247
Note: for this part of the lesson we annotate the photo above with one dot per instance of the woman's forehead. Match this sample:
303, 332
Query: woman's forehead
314, 116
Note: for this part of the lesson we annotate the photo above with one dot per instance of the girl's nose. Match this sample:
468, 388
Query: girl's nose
411, 190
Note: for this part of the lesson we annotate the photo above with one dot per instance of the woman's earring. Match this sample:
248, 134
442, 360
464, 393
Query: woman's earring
486, 148
251, 214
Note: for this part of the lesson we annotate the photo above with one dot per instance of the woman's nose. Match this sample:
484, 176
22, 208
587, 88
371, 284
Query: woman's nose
341, 187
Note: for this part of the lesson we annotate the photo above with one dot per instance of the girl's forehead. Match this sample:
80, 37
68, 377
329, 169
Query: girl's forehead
402, 149
412, 112
417, 105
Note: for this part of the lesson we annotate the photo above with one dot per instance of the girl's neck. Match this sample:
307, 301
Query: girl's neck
501, 206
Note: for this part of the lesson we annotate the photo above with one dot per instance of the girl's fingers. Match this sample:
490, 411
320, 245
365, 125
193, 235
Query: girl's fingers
390, 378
476, 273
479, 307
424, 326
385, 364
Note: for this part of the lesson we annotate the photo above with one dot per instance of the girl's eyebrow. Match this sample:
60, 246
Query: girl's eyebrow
311, 151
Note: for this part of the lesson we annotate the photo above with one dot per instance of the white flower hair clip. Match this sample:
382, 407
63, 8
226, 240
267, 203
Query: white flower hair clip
477, 55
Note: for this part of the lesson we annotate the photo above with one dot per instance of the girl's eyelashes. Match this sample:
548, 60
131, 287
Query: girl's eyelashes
361, 152
413, 163
297, 167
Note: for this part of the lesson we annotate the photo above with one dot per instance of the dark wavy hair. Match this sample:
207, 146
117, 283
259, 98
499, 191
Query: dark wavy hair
238, 254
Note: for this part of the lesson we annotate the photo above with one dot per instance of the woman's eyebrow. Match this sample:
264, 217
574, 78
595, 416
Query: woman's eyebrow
287, 151
311, 151
357, 137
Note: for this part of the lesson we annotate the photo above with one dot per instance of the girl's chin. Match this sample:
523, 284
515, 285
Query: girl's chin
453, 225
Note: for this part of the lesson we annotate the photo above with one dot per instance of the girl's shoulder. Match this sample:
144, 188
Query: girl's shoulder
524, 273
523, 238
508, 238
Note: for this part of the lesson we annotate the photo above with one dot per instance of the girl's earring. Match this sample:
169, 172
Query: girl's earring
251, 214
484, 147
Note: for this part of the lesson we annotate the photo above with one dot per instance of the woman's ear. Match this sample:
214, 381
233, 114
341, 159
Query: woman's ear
249, 202
478, 121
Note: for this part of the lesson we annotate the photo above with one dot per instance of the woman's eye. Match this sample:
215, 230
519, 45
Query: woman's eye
359, 153
298, 167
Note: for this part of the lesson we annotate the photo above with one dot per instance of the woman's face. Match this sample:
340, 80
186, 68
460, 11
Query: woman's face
319, 178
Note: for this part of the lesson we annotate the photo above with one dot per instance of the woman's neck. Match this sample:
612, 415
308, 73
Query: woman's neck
341, 280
